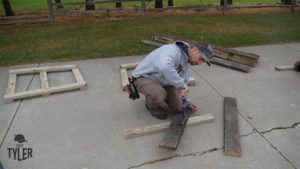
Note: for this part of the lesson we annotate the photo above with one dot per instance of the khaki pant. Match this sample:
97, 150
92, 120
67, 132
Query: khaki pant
156, 94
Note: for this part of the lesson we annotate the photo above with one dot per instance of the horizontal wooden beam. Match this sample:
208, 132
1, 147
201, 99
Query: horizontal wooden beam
283, 68
39, 92
141, 131
39, 69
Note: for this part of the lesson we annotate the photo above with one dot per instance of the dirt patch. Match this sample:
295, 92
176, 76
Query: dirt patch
43, 18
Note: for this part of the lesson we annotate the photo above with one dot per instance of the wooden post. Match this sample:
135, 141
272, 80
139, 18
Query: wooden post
143, 9
50, 10
89, 5
170, 3
224, 7
118, 4
58, 4
158, 4
293, 5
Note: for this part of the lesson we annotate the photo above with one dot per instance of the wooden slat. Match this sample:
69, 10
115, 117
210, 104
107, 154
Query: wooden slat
232, 145
230, 64
283, 68
78, 77
39, 69
11, 85
129, 65
124, 77
44, 80
172, 138
39, 92
141, 131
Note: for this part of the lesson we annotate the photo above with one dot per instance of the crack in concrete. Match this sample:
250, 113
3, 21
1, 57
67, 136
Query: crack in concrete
281, 128
252, 132
174, 156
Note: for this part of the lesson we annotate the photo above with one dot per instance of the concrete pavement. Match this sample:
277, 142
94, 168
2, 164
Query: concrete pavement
83, 129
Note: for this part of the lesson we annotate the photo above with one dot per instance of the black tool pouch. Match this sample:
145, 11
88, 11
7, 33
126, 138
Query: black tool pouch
134, 94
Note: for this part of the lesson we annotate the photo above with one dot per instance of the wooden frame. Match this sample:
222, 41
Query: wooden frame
45, 90
124, 74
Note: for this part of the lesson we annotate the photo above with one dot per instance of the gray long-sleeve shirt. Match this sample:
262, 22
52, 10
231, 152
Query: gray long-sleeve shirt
167, 65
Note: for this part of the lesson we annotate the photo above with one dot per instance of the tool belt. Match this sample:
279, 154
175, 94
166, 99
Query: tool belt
131, 89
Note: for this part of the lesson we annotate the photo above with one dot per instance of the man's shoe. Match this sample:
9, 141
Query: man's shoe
158, 113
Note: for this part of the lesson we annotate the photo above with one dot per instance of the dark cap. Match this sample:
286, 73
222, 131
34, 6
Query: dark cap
206, 51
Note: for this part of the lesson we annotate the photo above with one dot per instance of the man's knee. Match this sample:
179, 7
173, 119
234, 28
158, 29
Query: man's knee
156, 98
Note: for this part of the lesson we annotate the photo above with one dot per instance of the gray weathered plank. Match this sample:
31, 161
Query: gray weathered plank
232, 145
230, 64
172, 137
228, 54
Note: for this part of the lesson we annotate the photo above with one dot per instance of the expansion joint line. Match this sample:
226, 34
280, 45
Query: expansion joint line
15, 113
175, 156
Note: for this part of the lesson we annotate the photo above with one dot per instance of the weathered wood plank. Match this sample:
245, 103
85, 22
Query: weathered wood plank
141, 131
228, 54
230, 64
152, 43
39, 69
172, 138
39, 92
236, 56
232, 145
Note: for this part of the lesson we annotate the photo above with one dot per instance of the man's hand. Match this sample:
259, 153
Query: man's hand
193, 107
184, 92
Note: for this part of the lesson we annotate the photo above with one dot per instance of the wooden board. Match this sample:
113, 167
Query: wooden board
45, 90
152, 43
141, 131
230, 64
232, 145
284, 68
227, 54
39, 69
173, 135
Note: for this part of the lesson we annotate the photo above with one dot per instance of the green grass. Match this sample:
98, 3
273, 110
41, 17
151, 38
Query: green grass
35, 6
97, 38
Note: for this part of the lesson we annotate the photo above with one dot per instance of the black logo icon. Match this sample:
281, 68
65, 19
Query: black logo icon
20, 138
21, 151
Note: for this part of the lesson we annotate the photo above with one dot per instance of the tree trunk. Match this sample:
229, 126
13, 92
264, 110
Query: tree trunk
7, 8
170, 3
158, 4
229, 2
58, 4
90, 5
